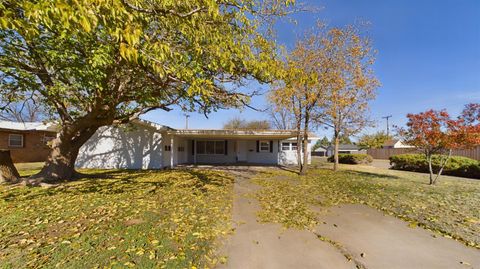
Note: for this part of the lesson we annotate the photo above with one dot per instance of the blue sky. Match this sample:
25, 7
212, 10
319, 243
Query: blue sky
428, 57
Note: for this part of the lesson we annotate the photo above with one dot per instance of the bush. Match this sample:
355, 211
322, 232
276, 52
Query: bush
456, 166
352, 158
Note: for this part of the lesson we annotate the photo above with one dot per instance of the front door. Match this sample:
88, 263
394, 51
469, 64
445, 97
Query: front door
241, 151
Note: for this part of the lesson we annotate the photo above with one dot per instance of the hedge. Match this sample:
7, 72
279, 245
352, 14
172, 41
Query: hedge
352, 158
456, 166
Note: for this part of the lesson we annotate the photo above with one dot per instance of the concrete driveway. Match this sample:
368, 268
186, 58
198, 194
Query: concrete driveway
367, 237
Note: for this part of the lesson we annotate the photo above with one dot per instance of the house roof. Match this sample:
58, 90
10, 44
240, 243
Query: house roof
224, 134
151, 124
346, 147
390, 143
28, 126
320, 149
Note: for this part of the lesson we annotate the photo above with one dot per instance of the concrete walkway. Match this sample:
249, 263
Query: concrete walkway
388, 242
372, 239
263, 246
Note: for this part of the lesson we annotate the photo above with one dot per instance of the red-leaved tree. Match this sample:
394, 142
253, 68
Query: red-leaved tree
434, 132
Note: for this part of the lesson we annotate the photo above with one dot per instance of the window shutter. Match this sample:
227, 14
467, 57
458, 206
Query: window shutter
271, 146
226, 147
193, 147
258, 145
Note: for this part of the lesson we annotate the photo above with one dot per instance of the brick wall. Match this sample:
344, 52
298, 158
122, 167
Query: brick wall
34, 147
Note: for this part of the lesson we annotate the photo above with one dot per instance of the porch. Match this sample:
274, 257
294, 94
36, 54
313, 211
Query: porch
228, 147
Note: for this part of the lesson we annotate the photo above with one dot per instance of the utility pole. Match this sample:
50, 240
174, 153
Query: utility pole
186, 120
388, 127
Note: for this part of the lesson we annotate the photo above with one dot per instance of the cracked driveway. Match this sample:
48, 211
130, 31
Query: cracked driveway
370, 238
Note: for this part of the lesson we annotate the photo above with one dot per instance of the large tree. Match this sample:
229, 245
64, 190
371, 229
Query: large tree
298, 92
349, 85
95, 63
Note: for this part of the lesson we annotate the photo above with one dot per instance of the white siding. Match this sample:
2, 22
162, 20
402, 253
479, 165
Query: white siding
127, 146
262, 157
289, 157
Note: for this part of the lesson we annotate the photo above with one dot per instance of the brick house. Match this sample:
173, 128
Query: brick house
27, 141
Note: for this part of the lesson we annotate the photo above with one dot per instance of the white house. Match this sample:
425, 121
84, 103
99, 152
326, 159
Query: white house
395, 144
146, 145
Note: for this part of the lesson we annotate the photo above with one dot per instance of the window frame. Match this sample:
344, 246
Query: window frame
16, 146
292, 147
288, 146
260, 146
215, 144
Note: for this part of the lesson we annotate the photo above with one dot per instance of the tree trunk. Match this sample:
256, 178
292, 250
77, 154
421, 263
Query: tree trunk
299, 152
430, 168
442, 165
304, 146
8, 171
335, 150
60, 164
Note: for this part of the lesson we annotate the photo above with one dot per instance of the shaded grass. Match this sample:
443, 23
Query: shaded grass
144, 219
450, 208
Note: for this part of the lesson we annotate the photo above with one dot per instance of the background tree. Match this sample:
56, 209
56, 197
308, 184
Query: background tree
436, 133
344, 139
97, 63
373, 141
324, 142
349, 84
280, 117
237, 123
28, 110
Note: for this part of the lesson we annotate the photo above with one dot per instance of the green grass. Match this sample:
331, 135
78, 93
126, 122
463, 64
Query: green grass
450, 208
148, 219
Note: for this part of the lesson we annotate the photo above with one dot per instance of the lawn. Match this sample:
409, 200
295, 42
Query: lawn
451, 208
148, 219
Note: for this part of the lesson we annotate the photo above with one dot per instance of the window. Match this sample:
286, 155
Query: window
168, 148
181, 149
15, 140
219, 147
285, 146
211, 147
294, 146
264, 146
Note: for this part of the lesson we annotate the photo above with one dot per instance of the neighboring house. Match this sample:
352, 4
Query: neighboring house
320, 151
27, 141
146, 145
345, 149
395, 144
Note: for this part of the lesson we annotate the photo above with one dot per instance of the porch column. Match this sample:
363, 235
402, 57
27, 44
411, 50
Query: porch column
172, 150
195, 151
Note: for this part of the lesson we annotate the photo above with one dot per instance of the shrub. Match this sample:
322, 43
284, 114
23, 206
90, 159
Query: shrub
352, 158
456, 166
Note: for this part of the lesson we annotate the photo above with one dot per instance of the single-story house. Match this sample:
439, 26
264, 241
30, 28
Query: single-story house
320, 151
147, 145
345, 149
27, 141
395, 144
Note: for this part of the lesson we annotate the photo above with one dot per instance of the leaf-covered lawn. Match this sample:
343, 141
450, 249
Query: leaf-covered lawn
150, 219
450, 208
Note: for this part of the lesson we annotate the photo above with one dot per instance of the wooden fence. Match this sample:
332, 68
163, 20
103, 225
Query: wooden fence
473, 153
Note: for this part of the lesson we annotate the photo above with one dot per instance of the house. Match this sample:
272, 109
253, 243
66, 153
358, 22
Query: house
395, 144
27, 141
320, 151
146, 145
345, 149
